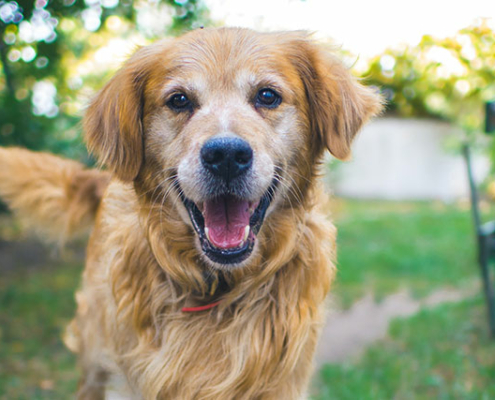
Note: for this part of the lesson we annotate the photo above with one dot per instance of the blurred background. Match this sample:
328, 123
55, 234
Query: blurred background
409, 316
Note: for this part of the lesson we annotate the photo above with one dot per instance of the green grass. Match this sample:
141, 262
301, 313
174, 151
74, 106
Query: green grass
443, 353
35, 307
384, 247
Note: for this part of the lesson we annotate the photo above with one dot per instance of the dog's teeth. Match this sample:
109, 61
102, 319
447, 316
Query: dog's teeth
207, 235
246, 233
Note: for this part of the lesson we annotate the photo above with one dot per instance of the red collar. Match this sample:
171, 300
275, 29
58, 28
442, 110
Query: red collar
200, 308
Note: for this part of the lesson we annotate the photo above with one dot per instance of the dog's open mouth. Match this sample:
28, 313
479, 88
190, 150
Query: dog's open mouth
227, 225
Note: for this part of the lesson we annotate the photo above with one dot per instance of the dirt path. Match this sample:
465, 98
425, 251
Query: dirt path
348, 333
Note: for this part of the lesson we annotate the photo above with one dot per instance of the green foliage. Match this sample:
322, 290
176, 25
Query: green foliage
444, 353
447, 78
48, 51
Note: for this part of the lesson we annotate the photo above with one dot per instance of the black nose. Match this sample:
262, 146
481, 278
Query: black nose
227, 157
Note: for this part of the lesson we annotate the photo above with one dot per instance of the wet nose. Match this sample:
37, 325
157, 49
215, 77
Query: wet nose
227, 157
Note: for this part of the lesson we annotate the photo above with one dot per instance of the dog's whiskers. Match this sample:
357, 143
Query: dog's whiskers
165, 194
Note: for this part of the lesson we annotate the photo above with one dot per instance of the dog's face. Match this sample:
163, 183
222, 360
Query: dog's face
231, 122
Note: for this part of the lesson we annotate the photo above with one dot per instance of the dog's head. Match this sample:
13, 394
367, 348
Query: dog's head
231, 122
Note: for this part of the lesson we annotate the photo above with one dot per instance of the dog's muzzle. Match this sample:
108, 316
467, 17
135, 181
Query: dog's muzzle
226, 221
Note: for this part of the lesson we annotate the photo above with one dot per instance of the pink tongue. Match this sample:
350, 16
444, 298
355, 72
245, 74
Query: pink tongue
226, 219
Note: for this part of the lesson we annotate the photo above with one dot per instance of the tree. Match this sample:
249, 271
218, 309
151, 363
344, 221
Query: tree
47, 49
445, 78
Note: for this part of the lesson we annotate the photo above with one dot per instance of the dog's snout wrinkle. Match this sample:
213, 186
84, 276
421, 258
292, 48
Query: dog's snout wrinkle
227, 157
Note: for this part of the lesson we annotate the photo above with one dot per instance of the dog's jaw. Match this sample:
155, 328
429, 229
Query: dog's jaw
227, 226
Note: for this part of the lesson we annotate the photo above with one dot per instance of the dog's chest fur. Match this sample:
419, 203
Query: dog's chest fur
259, 346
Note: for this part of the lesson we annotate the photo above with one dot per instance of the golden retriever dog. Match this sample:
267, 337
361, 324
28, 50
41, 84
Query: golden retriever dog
209, 260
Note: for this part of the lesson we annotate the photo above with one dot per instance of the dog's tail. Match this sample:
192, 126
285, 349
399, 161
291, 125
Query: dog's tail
58, 198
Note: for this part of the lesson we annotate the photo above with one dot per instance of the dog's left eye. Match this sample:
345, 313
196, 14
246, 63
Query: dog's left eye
179, 102
267, 98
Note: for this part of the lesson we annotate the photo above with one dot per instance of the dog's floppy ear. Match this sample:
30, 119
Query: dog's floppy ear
338, 104
113, 122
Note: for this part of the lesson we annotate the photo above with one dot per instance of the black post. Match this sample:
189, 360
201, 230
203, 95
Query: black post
485, 236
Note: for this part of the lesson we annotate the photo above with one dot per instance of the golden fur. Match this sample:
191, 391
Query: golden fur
144, 263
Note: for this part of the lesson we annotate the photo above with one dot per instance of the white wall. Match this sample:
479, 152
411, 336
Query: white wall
404, 159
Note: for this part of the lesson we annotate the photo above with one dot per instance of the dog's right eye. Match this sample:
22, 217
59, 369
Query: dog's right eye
267, 98
179, 102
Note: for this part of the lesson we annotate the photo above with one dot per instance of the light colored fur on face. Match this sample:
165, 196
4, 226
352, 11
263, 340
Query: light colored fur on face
144, 262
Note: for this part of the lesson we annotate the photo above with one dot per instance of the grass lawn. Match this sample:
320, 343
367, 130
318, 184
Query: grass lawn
383, 247
35, 307
443, 353
387, 246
